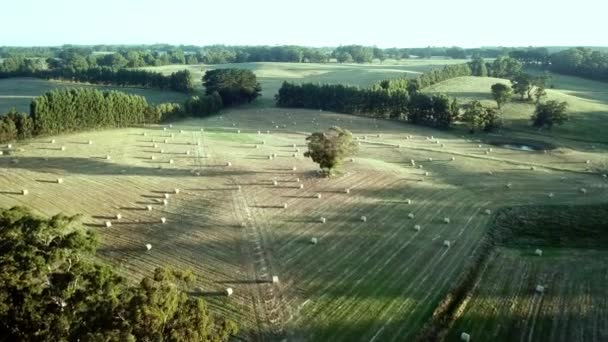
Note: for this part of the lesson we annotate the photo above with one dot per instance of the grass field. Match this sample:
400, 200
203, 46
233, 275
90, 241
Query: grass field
378, 280
19, 92
587, 105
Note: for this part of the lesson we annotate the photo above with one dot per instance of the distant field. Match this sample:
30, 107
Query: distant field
378, 280
587, 100
18, 92
271, 75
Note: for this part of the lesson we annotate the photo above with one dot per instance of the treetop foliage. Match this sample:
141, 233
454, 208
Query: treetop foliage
329, 148
52, 290
235, 86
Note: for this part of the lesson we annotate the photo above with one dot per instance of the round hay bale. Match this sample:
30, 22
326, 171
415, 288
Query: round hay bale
59, 181
275, 279
322, 220
270, 157
284, 205
152, 158
166, 196
426, 174
294, 168
165, 202
149, 208
410, 216
408, 201
538, 252
447, 243
108, 224
582, 191
446, 220
155, 146
363, 218
318, 196
275, 183
53, 141
24, 192
550, 195
347, 191
163, 220
301, 186
108, 157
187, 153
532, 168
176, 191
508, 185
90, 142
228, 164
540, 289
295, 155
453, 158
464, 337
314, 240
488, 212
587, 161
62, 148
118, 216
430, 159
417, 227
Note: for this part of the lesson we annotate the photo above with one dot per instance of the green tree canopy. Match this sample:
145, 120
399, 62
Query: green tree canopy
549, 114
52, 290
501, 93
329, 148
235, 86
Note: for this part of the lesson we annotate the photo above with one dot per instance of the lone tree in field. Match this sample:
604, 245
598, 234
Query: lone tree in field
479, 118
522, 85
328, 149
235, 86
549, 114
501, 93
51, 289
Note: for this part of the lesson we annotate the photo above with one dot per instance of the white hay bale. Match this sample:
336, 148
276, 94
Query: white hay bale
508, 185
152, 158
263, 142
149, 208
488, 212
170, 126
426, 174
59, 181
322, 220
62, 148
108, 157
148, 246
538, 252
453, 158
487, 152
314, 240
442, 145
198, 143
284, 205
297, 150
162, 151
163, 220
170, 161
490, 173
347, 191
267, 132
446, 220
118, 216
301, 186
605, 175
9, 146
479, 146
294, 168
275, 183
239, 188
165, 202
53, 141
270, 157
166, 196
294, 145
465, 337
550, 195
378, 136
413, 162
176, 191
532, 168
155, 146
90, 142
540, 289
15, 161
181, 131
297, 180
243, 225
187, 153
417, 227
274, 155
420, 166
108, 224
295, 155
363, 218
144, 134
410, 216
24, 192
582, 191
202, 129
587, 161
228, 164
447, 243
318, 196
430, 159
275, 279
408, 201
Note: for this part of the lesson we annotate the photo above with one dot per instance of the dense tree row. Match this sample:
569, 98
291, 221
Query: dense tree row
52, 288
235, 86
431, 110
201, 106
23, 67
79, 109
581, 62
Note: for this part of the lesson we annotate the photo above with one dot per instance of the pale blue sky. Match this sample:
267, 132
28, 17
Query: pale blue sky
385, 23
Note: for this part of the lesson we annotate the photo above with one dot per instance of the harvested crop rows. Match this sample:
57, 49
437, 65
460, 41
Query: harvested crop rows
377, 280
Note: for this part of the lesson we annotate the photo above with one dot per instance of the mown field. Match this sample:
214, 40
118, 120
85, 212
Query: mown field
19, 92
377, 280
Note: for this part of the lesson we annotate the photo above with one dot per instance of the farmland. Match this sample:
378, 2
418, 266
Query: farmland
378, 280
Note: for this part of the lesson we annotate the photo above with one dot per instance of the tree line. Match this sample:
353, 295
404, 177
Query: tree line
22, 67
437, 111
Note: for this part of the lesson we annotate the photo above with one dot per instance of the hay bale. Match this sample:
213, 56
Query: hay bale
155, 146
446, 220
59, 180
408, 201
149, 208
152, 158
284, 205
413, 162
166, 196
243, 225
108, 224
410, 216
488, 212
490, 173
24, 192
298, 150
582, 191
144, 134
487, 152
313, 240
90, 142
508, 185
148, 246
176, 191
363, 218
187, 153
550, 195
540, 289
263, 142
587, 161
426, 174
274, 155
62, 148
465, 337
163, 220
479, 146
294, 145
275, 183
52, 141
453, 158
267, 132
294, 168
295, 155
347, 191
275, 279
165, 202
270, 157
118, 216
166, 141
181, 131
352, 160
322, 220
202, 129
417, 227
420, 166
318, 196
447, 243
171, 161
162, 151
538, 252
301, 186
430, 159
228, 164
15, 161
532, 168
108, 157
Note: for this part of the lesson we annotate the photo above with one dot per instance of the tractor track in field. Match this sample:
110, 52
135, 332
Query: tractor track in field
267, 298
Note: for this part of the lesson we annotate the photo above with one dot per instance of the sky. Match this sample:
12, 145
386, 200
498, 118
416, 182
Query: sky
384, 23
